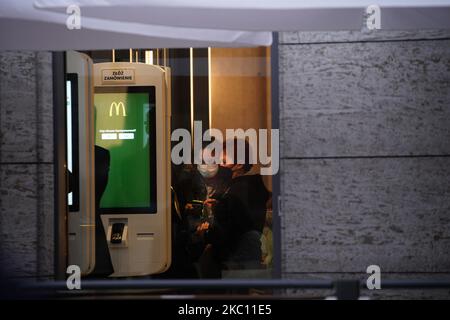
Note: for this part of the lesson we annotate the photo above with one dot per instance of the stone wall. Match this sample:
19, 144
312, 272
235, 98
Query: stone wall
365, 130
26, 163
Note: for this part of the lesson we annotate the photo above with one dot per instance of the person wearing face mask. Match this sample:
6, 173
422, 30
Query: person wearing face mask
216, 180
208, 170
195, 186
208, 182
239, 216
213, 184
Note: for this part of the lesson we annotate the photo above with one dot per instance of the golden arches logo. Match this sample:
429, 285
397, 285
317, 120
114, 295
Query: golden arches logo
117, 107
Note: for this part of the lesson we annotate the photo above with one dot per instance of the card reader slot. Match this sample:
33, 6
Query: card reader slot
145, 235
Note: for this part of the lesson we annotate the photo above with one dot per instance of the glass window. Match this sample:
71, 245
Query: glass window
221, 214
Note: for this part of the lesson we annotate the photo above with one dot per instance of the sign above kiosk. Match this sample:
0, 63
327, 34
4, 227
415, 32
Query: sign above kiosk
118, 76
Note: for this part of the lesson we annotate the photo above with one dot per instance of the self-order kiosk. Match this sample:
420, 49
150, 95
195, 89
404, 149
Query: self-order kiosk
122, 223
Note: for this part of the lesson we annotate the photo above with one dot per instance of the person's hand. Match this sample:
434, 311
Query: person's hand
210, 202
189, 208
202, 228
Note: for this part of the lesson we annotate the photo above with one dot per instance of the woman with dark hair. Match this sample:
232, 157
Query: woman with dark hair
239, 215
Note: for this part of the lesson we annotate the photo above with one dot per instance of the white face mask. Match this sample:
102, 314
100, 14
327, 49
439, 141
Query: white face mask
208, 170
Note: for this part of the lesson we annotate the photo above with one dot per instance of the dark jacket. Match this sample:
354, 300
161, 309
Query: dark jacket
190, 185
103, 264
239, 219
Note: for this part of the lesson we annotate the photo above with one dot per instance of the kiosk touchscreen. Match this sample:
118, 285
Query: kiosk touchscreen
132, 149
125, 129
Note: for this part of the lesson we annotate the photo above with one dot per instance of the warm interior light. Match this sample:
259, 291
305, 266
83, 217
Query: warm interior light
209, 88
191, 76
148, 56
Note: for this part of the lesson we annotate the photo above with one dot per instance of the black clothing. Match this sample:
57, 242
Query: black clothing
190, 185
239, 220
103, 265
182, 266
189, 248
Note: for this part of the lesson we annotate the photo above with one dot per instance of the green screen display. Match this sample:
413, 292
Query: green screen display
124, 127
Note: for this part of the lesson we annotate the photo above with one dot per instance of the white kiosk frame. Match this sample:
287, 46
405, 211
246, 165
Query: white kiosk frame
81, 222
146, 245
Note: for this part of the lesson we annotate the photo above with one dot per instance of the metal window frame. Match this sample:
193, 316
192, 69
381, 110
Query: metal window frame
60, 165
276, 183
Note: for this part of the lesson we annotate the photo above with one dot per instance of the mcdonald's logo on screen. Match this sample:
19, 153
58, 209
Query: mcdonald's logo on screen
117, 106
